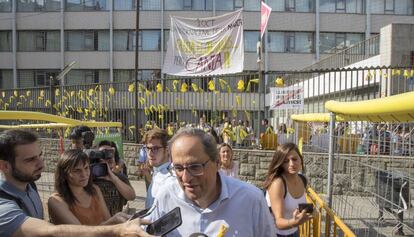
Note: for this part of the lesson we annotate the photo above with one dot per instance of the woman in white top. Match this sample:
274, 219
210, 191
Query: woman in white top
285, 189
227, 165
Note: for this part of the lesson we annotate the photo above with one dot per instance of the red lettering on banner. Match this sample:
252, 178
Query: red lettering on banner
202, 64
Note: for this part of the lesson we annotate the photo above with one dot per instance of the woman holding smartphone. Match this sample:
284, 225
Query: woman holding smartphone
286, 189
77, 200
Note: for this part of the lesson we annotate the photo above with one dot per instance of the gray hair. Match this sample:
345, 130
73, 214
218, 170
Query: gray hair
207, 140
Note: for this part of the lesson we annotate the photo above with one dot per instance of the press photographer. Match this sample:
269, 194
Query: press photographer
115, 186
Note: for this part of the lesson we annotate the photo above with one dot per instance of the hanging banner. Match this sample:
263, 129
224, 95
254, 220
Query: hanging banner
205, 46
286, 98
264, 17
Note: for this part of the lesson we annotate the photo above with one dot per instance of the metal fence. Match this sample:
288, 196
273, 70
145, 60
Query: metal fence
176, 102
356, 53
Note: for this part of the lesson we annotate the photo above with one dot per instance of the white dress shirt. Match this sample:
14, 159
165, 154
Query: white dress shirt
240, 206
160, 176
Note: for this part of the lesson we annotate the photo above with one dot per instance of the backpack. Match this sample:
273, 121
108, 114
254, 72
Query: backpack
19, 202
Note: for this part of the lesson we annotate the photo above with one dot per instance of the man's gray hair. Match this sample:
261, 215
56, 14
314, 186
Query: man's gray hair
207, 140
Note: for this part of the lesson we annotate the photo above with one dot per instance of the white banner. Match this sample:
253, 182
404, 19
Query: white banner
286, 98
205, 46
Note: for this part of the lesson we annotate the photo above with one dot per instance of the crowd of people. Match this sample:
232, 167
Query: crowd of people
238, 133
189, 170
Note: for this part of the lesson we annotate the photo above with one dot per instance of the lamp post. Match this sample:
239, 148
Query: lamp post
137, 135
52, 81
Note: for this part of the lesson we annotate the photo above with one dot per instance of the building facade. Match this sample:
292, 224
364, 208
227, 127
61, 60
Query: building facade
39, 37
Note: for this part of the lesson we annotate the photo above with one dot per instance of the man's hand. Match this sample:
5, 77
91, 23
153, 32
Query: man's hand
118, 218
133, 228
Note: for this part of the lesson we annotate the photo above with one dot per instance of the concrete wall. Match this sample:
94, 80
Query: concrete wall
350, 177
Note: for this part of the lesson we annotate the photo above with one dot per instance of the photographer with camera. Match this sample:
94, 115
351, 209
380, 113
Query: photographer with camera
110, 179
81, 138
77, 200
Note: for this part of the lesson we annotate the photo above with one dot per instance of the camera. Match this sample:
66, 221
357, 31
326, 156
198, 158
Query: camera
95, 156
99, 170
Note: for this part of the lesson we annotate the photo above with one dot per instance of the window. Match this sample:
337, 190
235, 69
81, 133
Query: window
173, 5
327, 42
202, 5
404, 7
78, 77
124, 40
333, 42
123, 75
399, 7
87, 40
5, 41
32, 41
224, 5
251, 5
149, 5
290, 5
6, 79
289, 42
304, 5
87, 5
150, 40
122, 5
166, 38
5, 5
250, 40
294, 42
341, 6
38, 5
35, 78
303, 42
276, 42
389, 6
277, 5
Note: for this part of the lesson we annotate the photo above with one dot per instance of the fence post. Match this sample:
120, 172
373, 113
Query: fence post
330, 168
331, 157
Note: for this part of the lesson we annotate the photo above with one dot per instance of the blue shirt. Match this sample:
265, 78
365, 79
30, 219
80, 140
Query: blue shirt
11, 215
161, 175
240, 206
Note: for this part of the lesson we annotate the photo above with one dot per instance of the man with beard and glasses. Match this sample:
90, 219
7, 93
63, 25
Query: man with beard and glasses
21, 210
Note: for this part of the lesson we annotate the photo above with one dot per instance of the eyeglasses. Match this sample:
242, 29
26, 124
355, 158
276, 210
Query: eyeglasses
153, 149
193, 169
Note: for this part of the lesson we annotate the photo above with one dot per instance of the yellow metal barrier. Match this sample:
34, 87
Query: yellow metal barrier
313, 227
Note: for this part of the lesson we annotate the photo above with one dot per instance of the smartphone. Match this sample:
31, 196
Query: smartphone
140, 214
166, 223
99, 169
306, 206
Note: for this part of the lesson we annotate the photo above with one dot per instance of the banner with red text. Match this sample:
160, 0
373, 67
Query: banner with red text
286, 97
205, 46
